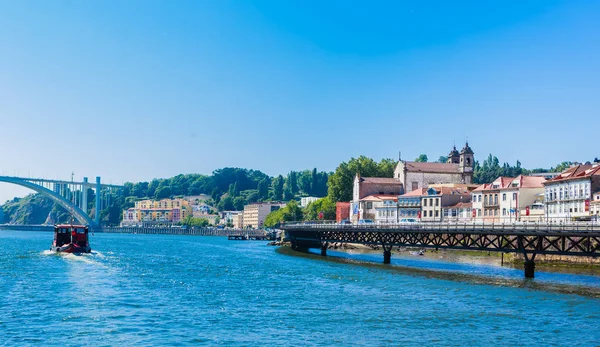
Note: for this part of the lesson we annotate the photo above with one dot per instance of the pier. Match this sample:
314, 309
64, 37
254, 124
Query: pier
530, 240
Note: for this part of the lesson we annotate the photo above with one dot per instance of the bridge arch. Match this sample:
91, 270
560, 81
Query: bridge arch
79, 214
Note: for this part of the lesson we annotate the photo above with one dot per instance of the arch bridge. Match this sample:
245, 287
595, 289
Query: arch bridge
73, 196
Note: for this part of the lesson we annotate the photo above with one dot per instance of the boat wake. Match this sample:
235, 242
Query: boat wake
90, 258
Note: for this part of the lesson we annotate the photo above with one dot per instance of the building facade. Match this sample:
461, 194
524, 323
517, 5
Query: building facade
254, 214
368, 186
417, 175
569, 195
509, 199
149, 212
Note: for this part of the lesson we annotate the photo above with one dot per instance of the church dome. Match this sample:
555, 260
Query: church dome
453, 153
466, 149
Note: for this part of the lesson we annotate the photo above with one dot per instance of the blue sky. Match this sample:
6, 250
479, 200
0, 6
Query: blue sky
132, 90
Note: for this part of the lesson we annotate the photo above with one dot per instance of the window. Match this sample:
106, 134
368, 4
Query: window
495, 199
424, 202
504, 212
369, 205
415, 185
514, 196
437, 213
437, 202
485, 212
495, 212
503, 196
430, 213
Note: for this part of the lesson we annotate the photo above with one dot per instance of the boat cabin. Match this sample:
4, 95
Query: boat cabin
65, 234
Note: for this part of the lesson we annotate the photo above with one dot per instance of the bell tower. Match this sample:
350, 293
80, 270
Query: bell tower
467, 162
453, 156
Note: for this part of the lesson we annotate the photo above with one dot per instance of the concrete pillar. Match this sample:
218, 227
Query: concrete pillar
387, 256
324, 249
529, 268
98, 188
84, 197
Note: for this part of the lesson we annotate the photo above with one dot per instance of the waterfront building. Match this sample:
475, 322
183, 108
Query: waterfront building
254, 214
459, 213
366, 186
568, 195
238, 221
594, 204
409, 204
435, 200
509, 199
380, 208
165, 211
307, 200
416, 175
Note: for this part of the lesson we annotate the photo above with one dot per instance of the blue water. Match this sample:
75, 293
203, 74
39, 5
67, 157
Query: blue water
162, 290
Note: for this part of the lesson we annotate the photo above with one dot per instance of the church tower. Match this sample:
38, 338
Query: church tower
453, 156
467, 162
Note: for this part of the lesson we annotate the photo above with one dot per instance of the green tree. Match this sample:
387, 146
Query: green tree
288, 194
226, 204
292, 181
304, 182
442, 159
421, 158
162, 193
263, 189
238, 203
315, 181
278, 188
324, 205
386, 167
341, 181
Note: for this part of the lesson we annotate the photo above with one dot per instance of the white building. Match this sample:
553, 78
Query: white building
254, 214
307, 200
509, 199
568, 195
380, 208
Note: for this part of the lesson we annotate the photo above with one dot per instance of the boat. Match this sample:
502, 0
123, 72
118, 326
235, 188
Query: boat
69, 238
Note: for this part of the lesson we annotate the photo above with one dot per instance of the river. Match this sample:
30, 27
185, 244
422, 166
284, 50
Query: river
159, 290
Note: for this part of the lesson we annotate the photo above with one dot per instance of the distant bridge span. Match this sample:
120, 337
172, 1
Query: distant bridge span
73, 196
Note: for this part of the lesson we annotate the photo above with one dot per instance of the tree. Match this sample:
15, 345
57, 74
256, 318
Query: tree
324, 205
263, 189
292, 181
162, 193
341, 181
278, 188
238, 203
233, 191
288, 194
315, 181
226, 204
305, 182
442, 159
386, 167
422, 158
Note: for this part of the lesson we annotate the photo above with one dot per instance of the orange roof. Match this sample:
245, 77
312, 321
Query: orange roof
413, 166
461, 205
380, 197
577, 172
416, 192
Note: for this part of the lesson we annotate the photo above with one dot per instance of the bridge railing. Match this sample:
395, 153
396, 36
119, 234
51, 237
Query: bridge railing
477, 226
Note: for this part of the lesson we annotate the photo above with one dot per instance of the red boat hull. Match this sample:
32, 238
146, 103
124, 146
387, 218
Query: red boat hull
70, 248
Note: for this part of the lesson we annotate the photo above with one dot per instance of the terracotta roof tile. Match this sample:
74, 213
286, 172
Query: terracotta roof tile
380, 197
413, 166
416, 192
